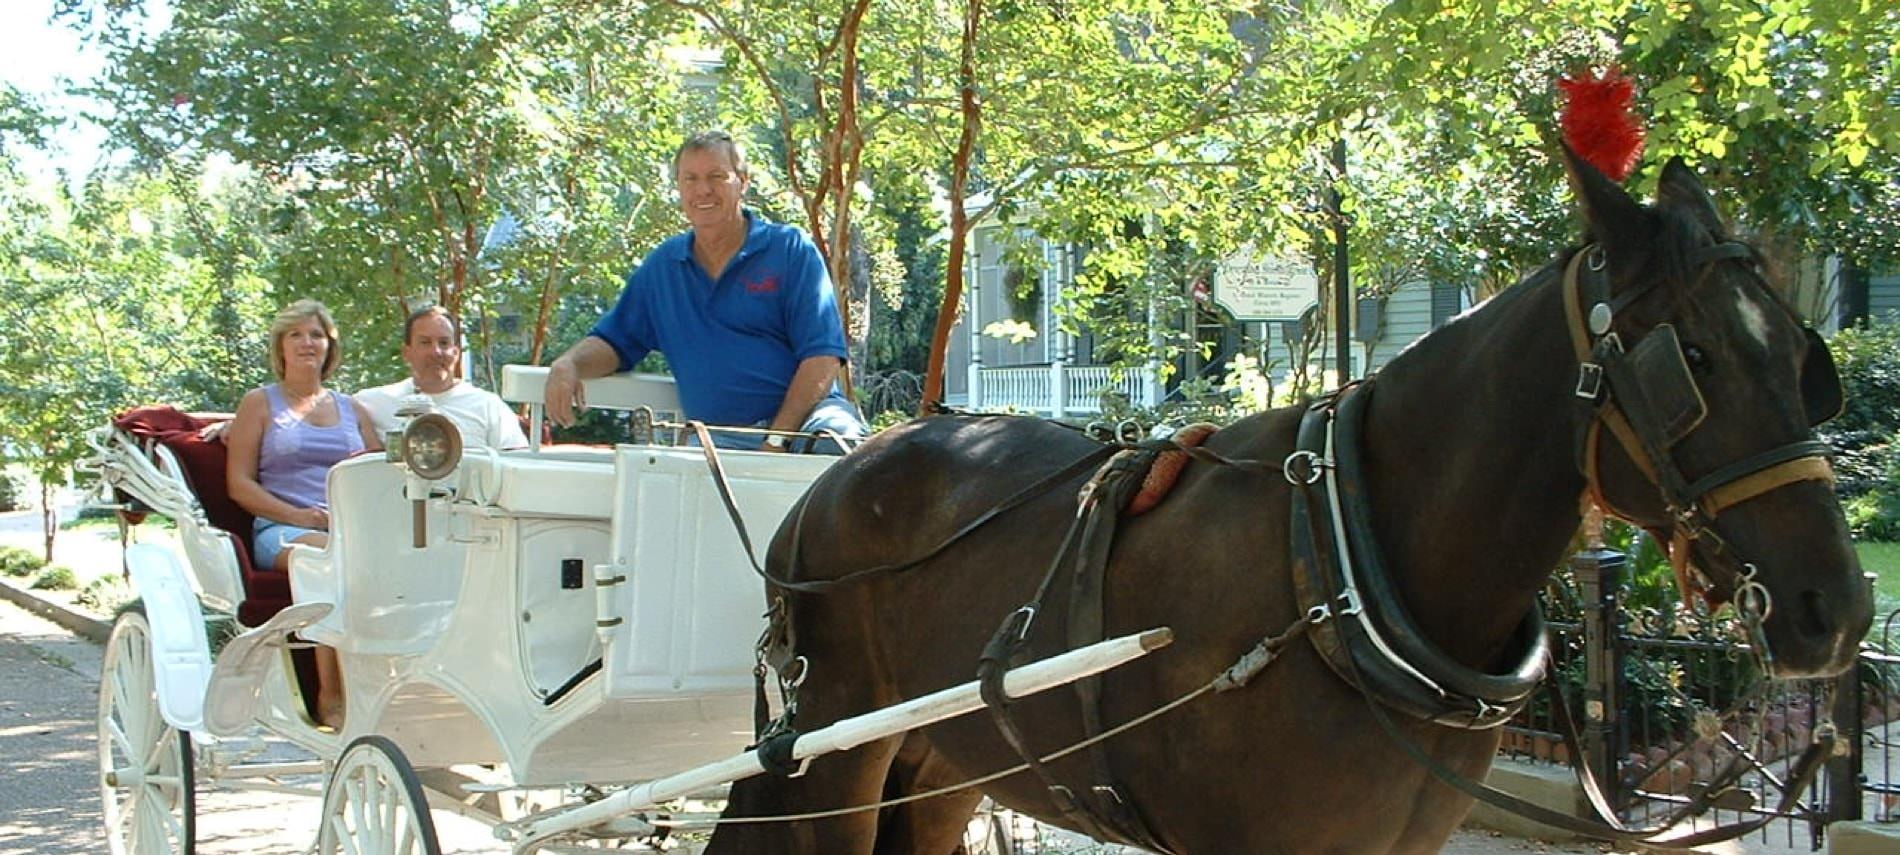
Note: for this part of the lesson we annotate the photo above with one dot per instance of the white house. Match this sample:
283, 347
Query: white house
1060, 376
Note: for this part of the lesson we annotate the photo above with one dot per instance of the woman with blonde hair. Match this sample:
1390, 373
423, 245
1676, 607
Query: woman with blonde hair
283, 441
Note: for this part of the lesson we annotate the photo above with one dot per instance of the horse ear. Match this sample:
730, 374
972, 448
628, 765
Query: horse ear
1682, 190
1613, 217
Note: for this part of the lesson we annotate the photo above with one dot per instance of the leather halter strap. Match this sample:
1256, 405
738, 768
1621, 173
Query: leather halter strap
1608, 382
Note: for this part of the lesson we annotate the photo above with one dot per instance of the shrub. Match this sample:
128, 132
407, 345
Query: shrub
104, 595
56, 578
18, 562
9, 494
1868, 357
1874, 515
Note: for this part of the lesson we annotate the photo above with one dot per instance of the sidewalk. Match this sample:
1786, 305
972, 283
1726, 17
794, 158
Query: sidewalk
91, 552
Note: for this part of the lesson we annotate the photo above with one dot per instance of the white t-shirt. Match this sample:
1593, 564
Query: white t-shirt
485, 421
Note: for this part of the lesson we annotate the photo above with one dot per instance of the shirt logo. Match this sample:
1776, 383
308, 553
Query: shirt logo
768, 285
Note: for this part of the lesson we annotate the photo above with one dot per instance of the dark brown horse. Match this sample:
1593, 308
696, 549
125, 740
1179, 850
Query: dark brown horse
1470, 450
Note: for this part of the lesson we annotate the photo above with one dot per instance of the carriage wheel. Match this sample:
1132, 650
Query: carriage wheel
374, 804
145, 774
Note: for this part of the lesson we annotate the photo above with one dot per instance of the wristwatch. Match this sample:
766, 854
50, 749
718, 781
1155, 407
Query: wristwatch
776, 442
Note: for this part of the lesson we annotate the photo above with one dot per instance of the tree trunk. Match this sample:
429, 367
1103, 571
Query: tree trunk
49, 517
959, 217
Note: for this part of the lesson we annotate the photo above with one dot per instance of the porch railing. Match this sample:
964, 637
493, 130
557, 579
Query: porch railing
1059, 389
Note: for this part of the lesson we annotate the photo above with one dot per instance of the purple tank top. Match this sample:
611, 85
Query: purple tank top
296, 456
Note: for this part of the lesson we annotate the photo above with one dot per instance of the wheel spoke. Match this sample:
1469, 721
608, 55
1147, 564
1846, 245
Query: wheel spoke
124, 744
167, 822
340, 832
158, 752
150, 836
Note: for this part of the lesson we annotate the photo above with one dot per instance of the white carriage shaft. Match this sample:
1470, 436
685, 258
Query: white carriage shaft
844, 735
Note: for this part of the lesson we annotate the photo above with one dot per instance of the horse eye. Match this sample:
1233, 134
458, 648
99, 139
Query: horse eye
1697, 359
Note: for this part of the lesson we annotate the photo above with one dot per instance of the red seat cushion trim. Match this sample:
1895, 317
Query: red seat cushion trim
265, 591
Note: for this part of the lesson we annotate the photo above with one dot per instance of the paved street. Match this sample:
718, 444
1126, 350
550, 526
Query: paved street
48, 700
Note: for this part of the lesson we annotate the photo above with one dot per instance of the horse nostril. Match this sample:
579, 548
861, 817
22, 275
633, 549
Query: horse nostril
1812, 616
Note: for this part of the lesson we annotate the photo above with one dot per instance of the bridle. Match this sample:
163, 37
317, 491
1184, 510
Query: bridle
1648, 400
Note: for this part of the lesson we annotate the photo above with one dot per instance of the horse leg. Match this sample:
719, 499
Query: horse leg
933, 826
846, 779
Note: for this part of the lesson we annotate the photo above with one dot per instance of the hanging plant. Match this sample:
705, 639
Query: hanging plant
1022, 281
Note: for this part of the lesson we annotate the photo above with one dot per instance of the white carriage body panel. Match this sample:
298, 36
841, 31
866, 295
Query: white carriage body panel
692, 606
554, 560
498, 659
181, 655
214, 564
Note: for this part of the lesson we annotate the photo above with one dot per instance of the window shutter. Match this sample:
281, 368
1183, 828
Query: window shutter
1447, 302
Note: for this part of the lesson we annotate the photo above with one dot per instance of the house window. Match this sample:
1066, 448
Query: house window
1447, 302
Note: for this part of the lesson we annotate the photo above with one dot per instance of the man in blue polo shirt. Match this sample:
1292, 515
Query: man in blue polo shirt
742, 308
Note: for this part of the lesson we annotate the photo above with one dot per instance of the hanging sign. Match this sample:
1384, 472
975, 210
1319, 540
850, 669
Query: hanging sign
1256, 288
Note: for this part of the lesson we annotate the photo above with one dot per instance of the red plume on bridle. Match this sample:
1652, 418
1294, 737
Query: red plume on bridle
1599, 124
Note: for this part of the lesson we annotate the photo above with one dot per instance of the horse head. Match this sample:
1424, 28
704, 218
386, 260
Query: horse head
1705, 389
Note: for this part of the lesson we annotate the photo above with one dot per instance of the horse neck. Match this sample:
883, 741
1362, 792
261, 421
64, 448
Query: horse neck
1471, 465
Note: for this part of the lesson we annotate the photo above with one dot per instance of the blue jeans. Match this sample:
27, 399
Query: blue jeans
269, 538
831, 415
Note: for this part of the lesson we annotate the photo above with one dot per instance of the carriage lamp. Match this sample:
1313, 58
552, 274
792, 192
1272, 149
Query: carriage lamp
431, 446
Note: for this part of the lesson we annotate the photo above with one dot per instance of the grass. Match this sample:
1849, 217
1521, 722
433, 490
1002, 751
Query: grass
106, 522
1883, 560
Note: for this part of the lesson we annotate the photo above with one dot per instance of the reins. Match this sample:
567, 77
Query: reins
1014, 501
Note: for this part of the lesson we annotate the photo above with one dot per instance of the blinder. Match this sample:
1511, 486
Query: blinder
1665, 384
1820, 382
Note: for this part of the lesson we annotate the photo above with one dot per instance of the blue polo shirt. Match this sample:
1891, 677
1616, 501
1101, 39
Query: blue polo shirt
734, 343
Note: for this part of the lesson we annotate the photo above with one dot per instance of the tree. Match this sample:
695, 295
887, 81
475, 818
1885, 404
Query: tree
1786, 104
106, 303
405, 132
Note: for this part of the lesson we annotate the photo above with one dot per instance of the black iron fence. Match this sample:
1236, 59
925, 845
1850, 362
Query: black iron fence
1671, 709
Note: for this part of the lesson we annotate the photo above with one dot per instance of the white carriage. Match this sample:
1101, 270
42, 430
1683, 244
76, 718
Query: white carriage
571, 619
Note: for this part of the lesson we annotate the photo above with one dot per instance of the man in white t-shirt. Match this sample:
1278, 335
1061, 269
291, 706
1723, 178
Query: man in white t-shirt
432, 345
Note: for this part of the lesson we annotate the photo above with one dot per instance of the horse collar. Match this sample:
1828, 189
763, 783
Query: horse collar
1359, 623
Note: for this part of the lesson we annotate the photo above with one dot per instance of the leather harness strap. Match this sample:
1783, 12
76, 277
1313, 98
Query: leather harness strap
1100, 811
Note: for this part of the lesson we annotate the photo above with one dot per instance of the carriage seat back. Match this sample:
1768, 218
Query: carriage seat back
265, 591
526, 384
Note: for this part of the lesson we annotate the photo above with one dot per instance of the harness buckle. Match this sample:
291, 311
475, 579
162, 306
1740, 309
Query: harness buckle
1351, 599
1589, 381
1028, 615
1318, 614
1304, 468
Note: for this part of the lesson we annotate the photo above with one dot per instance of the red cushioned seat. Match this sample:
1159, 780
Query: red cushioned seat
266, 591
